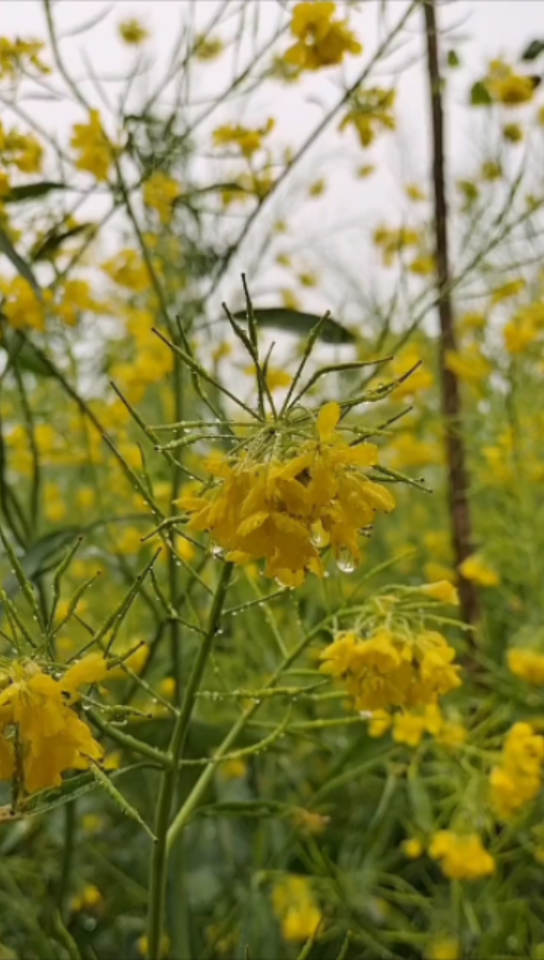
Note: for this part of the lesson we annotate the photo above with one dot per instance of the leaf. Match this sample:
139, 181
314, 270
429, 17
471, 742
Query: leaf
53, 797
420, 801
453, 59
300, 323
22, 267
534, 50
479, 95
51, 243
30, 191
22, 353
120, 800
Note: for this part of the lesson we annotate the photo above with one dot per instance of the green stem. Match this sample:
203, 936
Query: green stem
159, 863
67, 856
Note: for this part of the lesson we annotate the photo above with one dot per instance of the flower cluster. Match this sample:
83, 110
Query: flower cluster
410, 726
247, 140
95, 150
518, 779
390, 669
462, 856
285, 511
369, 110
296, 908
51, 738
160, 193
321, 40
506, 86
527, 664
17, 55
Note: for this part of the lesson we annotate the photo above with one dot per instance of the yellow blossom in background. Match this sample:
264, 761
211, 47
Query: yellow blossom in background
128, 270
423, 265
233, 769
52, 737
23, 308
518, 779
133, 32
415, 193
296, 908
491, 170
317, 188
248, 141
289, 299
527, 664
365, 171
19, 54
461, 856
476, 569
89, 898
208, 48
322, 41
419, 380
413, 848
442, 590
508, 87
21, 150
90, 141
508, 290
160, 193
443, 948
369, 110
379, 724
469, 364
392, 242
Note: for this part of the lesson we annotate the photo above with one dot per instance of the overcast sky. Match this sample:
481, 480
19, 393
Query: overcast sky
478, 30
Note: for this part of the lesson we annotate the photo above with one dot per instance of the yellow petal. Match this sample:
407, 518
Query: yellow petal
91, 669
329, 415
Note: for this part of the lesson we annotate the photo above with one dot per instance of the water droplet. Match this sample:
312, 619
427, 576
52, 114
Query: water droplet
345, 560
319, 537
216, 550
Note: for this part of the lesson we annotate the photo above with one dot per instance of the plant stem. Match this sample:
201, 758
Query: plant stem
159, 862
460, 519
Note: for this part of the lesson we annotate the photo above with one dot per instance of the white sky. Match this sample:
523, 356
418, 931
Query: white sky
479, 30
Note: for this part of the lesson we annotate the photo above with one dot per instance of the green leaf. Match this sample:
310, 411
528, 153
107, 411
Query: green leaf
70, 789
300, 323
22, 267
51, 244
479, 95
420, 801
453, 59
31, 191
22, 353
119, 799
534, 50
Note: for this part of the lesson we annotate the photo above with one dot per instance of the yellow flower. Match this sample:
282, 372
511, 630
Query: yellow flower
283, 511
409, 728
451, 734
469, 364
51, 737
443, 948
474, 568
380, 722
23, 308
394, 670
208, 48
128, 270
413, 848
415, 193
133, 32
321, 40
289, 299
527, 664
89, 898
491, 170
247, 140
95, 150
14, 53
442, 590
392, 242
508, 87
508, 290
233, 769
461, 856
296, 908
518, 779
317, 188
160, 193
369, 110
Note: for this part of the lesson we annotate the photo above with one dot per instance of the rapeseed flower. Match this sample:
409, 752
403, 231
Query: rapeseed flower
285, 510
51, 737
527, 664
93, 146
390, 669
461, 856
518, 778
321, 40
296, 908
